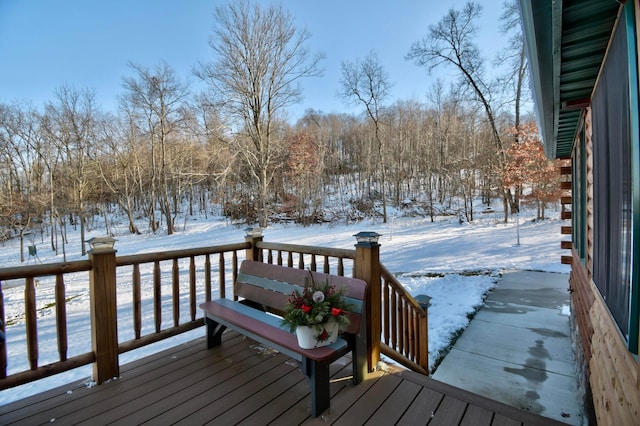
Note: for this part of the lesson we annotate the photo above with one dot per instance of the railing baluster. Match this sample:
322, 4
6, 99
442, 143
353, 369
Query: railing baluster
235, 271
207, 277
326, 269
407, 330
222, 283
394, 319
157, 296
270, 257
300, 260
385, 311
340, 267
31, 322
61, 317
290, 260
175, 292
424, 338
407, 325
401, 324
314, 266
414, 336
408, 349
192, 287
280, 257
3, 344
137, 301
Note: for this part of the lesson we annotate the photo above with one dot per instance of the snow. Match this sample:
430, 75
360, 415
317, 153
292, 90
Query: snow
427, 257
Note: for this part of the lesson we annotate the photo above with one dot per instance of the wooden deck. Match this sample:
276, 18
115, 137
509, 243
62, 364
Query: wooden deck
243, 383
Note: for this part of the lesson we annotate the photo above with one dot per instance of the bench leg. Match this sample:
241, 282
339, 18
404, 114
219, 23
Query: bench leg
318, 375
214, 332
359, 361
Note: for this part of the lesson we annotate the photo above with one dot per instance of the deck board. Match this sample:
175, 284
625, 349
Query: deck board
449, 412
396, 404
170, 390
500, 420
476, 416
360, 411
240, 382
422, 408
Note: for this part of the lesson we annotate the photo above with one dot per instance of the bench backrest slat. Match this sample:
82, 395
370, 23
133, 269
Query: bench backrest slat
272, 286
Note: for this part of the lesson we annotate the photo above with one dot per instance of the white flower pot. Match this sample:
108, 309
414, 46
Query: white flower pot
315, 337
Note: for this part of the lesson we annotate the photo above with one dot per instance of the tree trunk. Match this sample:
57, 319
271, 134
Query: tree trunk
264, 192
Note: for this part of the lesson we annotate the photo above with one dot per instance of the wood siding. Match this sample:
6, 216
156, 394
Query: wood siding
612, 369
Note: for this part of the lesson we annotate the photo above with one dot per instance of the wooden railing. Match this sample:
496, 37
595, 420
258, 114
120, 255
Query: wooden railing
403, 320
404, 325
227, 263
305, 257
29, 274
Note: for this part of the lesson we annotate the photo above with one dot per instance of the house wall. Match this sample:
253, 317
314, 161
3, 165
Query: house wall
602, 354
610, 373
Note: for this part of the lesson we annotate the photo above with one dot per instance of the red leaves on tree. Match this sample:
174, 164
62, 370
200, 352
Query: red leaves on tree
527, 167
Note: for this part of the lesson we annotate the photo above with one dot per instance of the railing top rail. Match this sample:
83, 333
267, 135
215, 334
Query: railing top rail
44, 269
31, 271
173, 254
322, 251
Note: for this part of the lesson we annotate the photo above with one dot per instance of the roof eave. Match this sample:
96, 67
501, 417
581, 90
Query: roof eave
537, 30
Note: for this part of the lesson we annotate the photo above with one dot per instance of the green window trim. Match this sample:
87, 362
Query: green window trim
634, 100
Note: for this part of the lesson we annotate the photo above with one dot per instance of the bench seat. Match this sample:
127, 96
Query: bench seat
265, 328
266, 287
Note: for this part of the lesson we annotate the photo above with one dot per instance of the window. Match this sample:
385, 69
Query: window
613, 185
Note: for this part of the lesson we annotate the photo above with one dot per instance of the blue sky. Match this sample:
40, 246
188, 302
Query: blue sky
88, 43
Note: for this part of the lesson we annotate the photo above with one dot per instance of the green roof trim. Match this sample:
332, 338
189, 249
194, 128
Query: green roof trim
566, 42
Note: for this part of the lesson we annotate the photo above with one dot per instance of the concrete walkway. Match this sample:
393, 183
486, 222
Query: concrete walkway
517, 349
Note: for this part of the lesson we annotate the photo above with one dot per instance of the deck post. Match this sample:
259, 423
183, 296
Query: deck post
252, 236
367, 268
104, 321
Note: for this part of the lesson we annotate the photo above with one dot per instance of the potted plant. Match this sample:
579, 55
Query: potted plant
316, 314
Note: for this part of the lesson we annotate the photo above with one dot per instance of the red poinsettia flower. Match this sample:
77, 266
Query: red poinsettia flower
336, 311
305, 308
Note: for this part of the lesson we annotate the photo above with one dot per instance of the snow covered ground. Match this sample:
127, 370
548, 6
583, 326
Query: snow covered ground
415, 249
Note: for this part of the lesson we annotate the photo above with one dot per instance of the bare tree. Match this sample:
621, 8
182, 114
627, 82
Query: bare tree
514, 60
207, 127
118, 164
71, 124
366, 82
451, 42
23, 199
157, 95
260, 58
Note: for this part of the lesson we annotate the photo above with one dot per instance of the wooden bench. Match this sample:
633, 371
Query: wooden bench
264, 290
